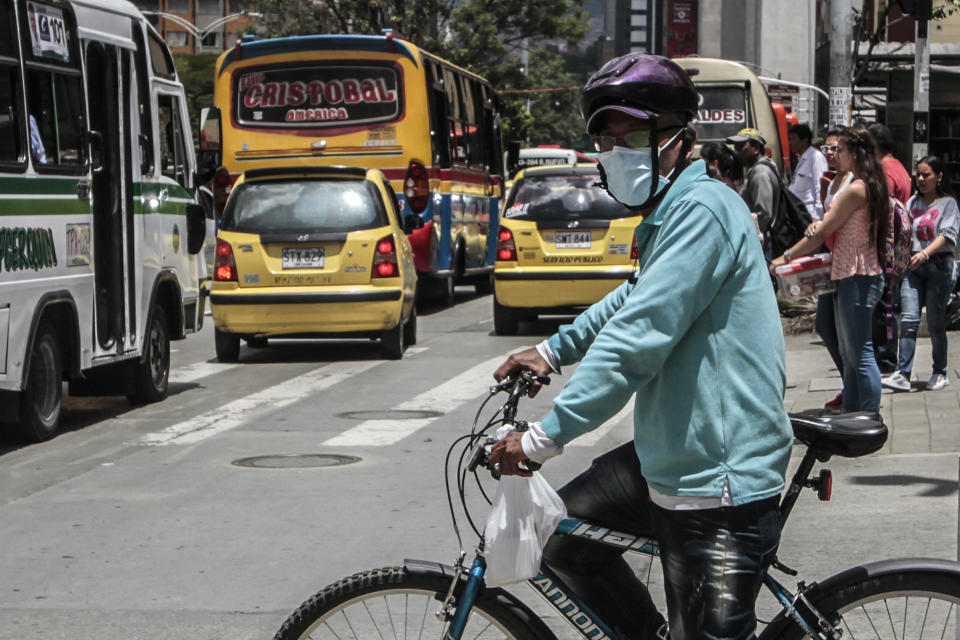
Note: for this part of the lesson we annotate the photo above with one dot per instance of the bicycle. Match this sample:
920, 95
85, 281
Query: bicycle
905, 598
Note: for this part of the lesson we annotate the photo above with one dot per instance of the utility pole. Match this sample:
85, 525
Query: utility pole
841, 64
923, 13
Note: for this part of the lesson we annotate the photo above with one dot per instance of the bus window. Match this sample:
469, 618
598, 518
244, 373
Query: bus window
11, 143
724, 110
173, 155
319, 95
11, 119
438, 115
145, 141
55, 107
160, 58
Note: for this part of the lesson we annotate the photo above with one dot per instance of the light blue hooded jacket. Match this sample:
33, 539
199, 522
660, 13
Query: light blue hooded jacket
698, 339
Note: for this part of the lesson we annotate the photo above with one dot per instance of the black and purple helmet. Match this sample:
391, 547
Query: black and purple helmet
641, 85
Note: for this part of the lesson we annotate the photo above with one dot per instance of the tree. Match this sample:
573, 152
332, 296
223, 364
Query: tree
196, 74
484, 36
864, 31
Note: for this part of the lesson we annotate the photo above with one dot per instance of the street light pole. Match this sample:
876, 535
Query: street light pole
921, 82
198, 33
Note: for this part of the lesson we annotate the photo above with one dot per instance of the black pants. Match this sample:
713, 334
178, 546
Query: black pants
707, 556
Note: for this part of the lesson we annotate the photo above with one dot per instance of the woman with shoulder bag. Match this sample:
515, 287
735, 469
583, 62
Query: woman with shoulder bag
859, 215
930, 276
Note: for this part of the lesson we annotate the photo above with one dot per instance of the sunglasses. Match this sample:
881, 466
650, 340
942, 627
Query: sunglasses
829, 148
633, 140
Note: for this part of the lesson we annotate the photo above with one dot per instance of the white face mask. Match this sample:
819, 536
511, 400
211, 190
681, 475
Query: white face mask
629, 172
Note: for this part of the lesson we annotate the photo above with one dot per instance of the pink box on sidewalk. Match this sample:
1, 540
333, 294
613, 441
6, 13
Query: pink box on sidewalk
806, 276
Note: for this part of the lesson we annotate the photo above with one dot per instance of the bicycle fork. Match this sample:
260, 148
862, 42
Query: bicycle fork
802, 611
457, 613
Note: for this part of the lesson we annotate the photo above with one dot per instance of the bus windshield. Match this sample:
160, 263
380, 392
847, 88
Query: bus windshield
318, 95
723, 111
563, 196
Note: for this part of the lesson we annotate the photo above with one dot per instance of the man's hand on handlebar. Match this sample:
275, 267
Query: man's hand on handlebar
529, 360
507, 455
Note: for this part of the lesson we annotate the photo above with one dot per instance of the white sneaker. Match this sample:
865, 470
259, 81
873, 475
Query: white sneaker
937, 381
896, 381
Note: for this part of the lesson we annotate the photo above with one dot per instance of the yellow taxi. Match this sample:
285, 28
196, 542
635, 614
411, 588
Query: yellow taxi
313, 252
563, 244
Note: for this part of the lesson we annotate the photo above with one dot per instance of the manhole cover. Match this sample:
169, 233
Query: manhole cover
296, 461
391, 414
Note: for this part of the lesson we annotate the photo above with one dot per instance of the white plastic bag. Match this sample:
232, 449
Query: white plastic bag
525, 512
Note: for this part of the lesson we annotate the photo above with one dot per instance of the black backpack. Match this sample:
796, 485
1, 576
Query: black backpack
790, 221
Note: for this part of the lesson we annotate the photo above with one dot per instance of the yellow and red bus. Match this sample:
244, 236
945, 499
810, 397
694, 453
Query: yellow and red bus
376, 102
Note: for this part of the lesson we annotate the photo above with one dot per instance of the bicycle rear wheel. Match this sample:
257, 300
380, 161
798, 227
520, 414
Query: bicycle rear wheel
396, 603
909, 603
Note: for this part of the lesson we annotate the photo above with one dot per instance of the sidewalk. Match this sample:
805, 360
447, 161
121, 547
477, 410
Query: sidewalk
919, 421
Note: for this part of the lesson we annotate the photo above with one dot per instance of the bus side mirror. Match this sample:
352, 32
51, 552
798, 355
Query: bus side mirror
211, 153
411, 223
196, 228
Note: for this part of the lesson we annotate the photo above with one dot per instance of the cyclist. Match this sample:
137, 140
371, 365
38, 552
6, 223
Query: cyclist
697, 336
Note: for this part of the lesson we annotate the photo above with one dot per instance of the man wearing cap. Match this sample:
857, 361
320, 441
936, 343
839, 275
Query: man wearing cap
761, 186
695, 340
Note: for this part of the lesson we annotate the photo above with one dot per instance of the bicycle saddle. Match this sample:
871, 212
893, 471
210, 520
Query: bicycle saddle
844, 434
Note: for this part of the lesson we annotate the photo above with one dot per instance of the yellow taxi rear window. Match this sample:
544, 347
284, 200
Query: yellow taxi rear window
551, 197
304, 205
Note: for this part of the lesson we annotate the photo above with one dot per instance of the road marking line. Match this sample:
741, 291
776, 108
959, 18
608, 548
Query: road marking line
593, 437
197, 370
235, 413
472, 383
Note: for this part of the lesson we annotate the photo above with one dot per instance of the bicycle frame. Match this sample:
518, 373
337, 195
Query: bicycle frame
589, 625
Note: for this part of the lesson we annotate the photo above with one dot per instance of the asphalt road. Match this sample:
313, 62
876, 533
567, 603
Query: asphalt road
143, 523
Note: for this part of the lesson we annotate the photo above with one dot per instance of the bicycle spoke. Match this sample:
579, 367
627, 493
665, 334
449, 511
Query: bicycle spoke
332, 630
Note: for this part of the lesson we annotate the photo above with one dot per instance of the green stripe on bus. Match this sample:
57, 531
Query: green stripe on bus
39, 185
42, 207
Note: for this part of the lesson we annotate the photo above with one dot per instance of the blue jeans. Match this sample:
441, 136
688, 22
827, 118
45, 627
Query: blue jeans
929, 285
825, 325
713, 559
854, 301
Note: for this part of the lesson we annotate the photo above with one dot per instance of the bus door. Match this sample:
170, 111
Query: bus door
108, 92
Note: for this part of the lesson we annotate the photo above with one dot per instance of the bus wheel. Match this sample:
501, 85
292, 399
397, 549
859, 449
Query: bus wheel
227, 346
41, 400
152, 374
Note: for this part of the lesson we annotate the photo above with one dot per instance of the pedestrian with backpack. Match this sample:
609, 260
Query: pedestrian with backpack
855, 228
931, 274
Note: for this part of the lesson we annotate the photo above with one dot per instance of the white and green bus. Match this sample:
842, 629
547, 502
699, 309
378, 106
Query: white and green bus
99, 222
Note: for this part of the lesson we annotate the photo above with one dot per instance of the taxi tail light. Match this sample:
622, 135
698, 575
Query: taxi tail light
634, 250
221, 185
416, 187
506, 248
224, 266
385, 263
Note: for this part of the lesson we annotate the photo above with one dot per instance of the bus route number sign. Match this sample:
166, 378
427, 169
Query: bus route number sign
48, 32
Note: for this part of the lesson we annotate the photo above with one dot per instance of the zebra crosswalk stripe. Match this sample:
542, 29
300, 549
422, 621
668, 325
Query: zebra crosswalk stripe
471, 384
236, 413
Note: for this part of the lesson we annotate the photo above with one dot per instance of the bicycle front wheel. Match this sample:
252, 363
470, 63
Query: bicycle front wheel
396, 603
904, 604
